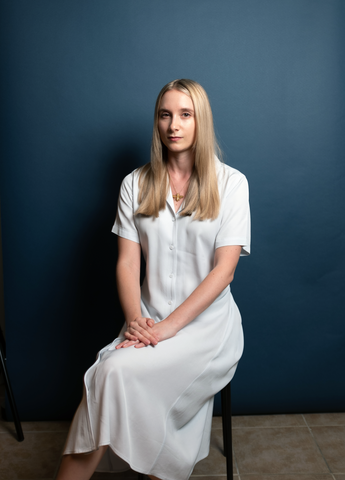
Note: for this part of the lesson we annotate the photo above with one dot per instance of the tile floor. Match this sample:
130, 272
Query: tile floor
266, 447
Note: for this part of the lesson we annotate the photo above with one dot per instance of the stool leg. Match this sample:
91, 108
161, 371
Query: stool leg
10, 395
227, 434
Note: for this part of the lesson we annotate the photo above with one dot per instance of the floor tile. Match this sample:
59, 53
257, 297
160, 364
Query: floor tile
267, 447
325, 419
288, 477
207, 477
277, 451
33, 459
215, 463
217, 422
129, 474
263, 421
331, 441
35, 427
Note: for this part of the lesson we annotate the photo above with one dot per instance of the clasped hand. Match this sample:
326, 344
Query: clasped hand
142, 332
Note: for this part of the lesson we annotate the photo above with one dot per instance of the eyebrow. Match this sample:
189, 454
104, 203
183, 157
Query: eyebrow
181, 110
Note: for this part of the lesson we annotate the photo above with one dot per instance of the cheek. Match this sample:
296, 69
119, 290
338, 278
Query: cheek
161, 129
193, 130
162, 135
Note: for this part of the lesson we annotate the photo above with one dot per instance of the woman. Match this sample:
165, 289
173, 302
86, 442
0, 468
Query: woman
151, 408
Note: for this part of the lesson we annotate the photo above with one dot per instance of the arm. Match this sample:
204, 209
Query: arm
128, 286
143, 331
222, 274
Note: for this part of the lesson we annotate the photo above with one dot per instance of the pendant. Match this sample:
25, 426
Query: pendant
177, 197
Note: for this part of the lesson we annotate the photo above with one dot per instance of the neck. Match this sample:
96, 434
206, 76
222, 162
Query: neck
180, 164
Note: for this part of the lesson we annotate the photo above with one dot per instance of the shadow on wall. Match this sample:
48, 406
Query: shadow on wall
2, 315
95, 308
75, 308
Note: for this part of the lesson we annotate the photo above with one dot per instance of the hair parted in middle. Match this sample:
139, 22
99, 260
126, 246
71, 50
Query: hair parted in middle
202, 196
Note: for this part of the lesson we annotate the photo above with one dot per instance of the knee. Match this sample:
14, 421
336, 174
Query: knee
112, 368
107, 369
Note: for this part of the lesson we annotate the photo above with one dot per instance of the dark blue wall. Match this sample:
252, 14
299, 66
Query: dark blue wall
78, 89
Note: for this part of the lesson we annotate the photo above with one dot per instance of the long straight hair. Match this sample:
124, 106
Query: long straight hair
202, 196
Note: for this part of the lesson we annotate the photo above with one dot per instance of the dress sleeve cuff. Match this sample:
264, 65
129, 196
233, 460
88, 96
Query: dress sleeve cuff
121, 232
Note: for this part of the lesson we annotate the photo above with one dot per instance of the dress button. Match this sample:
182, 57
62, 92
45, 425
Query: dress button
170, 302
171, 275
173, 219
171, 247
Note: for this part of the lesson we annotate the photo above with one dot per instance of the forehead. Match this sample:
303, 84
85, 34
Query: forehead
176, 100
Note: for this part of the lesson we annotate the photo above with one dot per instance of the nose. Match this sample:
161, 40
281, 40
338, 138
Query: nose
174, 124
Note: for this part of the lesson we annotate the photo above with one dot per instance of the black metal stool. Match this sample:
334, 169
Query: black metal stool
14, 410
227, 429
227, 435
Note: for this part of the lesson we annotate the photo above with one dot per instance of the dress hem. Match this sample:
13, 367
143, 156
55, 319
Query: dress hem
130, 466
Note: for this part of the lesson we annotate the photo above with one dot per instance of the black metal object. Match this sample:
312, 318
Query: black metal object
227, 429
227, 432
9, 391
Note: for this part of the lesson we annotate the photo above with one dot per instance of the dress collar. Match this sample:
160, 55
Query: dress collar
170, 201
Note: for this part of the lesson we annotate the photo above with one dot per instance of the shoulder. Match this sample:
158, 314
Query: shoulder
229, 178
130, 181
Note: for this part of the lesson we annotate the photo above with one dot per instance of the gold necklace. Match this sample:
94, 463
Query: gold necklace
177, 197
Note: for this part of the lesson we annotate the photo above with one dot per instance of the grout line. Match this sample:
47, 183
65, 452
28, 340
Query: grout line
334, 424
276, 475
269, 426
328, 424
317, 445
299, 475
235, 460
282, 426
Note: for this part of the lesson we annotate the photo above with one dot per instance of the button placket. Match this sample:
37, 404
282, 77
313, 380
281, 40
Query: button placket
172, 248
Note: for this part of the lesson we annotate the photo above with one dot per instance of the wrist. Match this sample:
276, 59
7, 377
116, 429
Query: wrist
173, 322
132, 317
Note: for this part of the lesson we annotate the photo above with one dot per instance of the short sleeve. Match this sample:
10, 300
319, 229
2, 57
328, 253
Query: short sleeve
235, 221
124, 225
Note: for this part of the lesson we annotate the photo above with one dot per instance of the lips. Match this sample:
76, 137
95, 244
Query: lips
174, 139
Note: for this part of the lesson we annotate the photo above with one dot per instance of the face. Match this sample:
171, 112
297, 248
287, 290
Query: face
176, 121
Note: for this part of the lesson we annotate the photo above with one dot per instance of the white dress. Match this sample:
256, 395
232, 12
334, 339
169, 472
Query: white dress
153, 406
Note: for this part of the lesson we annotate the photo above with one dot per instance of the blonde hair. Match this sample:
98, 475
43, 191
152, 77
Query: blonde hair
202, 196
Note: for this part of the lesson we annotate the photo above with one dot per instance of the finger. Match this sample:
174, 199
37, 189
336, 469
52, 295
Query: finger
140, 330
143, 339
120, 345
129, 344
126, 343
140, 345
147, 338
150, 322
146, 331
143, 325
141, 334
130, 336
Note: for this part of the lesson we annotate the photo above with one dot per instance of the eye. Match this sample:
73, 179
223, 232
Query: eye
164, 115
186, 115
